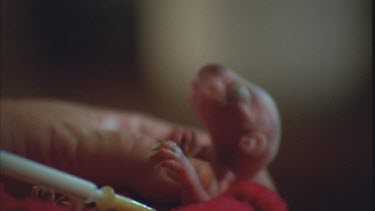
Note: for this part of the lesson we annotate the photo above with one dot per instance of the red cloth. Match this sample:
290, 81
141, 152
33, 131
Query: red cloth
244, 196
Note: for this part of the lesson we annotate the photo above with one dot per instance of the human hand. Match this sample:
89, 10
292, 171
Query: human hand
86, 141
89, 142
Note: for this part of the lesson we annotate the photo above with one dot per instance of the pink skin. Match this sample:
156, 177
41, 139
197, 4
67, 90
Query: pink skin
130, 151
244, 125
106, 147
250, 138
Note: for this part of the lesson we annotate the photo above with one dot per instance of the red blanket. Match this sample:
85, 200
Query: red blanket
244, 196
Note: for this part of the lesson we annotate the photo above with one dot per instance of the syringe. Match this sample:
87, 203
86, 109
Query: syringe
36, 173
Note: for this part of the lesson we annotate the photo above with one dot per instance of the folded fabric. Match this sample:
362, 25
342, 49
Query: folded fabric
243, 196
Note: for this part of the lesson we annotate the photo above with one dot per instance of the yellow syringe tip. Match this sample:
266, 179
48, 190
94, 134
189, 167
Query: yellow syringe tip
119, 203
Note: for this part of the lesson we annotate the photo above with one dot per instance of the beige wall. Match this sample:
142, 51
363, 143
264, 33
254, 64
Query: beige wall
311, 55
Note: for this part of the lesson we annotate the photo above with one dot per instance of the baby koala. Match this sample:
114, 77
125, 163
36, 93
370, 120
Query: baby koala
244, 126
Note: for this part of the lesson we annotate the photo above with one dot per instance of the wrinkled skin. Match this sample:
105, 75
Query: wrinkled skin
159, 162
105, 147
241, 117
244, 125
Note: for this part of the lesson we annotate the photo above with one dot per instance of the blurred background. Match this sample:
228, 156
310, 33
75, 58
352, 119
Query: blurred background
314, 58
